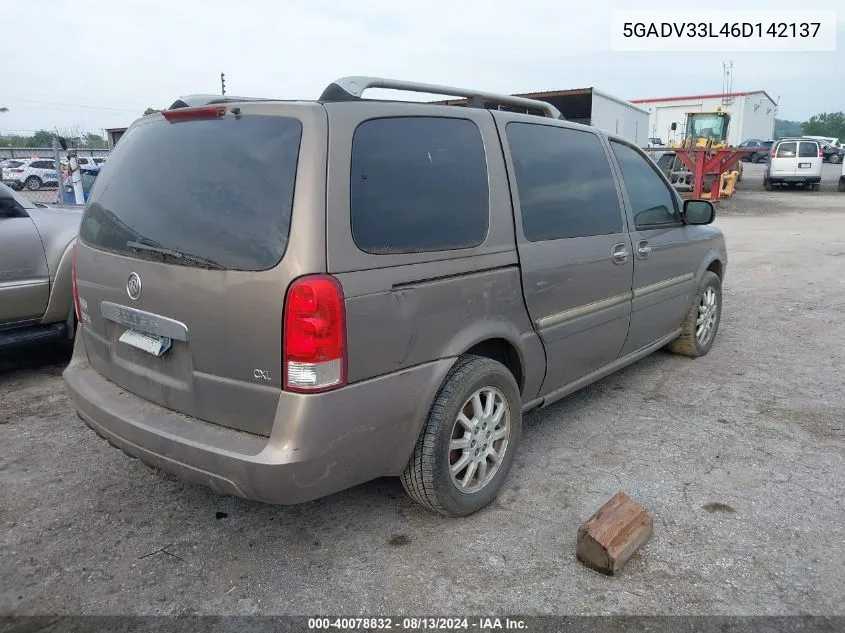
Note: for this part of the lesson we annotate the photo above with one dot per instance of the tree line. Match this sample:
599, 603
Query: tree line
44, 138
823, 124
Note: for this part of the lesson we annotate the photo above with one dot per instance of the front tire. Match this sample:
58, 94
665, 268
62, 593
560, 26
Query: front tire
33, 183
702, 321
753, 158
467, 446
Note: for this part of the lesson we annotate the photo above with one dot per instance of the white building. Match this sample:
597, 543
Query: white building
752, 114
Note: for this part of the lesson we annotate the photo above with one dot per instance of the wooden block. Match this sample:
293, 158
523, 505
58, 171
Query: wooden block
611, 536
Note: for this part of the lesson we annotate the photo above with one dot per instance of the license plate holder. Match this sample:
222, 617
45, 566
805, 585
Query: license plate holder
803, 165
149, 343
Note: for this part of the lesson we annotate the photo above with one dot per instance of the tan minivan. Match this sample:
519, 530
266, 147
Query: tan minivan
283, 299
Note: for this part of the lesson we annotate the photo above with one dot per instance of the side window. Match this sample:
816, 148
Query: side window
418, 184
787, 150
653, 203
808, 150
565, 183
9, 208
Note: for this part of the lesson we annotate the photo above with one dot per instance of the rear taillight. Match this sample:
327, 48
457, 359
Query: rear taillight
17, 170
314, 335
76, 305
821, 153
189, 114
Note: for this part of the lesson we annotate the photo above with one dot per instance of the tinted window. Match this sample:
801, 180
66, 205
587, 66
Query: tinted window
10, 209
786, 150
652, 200
808, 150
418, 184
566, 188
13, 163
217, 189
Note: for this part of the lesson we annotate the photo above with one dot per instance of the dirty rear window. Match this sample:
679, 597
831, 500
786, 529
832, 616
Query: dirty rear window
808, 150
217, 191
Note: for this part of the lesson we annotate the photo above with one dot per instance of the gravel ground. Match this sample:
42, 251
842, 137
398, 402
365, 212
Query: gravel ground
738, 455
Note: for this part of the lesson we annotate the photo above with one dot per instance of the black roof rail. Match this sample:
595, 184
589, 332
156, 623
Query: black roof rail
351, 89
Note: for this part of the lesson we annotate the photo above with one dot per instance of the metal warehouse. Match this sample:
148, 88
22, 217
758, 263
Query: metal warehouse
752, 114
593, 107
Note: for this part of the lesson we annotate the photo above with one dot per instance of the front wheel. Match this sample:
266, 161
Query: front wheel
33, 183
836, 158
702, 321
467, 446
753, 158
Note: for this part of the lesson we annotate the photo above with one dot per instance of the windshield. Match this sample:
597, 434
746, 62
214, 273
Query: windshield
220, 190
710, 126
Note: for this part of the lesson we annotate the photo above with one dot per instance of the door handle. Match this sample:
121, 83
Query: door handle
643, 250
619, 254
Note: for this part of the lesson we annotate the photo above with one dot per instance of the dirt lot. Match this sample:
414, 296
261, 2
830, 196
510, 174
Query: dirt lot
739, 455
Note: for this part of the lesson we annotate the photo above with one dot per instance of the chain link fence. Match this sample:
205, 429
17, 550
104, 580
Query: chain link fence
42, 173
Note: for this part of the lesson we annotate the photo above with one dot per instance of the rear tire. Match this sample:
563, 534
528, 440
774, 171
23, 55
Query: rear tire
702, 321
768, 184
463, 440
841, 186
836, 158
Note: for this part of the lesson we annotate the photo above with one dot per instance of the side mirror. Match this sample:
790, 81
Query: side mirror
699, 212
673, 127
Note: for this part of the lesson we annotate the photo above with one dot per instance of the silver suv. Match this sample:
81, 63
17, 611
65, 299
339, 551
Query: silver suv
298, 297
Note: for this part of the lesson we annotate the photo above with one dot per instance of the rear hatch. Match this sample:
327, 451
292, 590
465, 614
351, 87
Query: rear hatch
180, 251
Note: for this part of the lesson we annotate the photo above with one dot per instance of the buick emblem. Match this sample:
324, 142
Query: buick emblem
133, 286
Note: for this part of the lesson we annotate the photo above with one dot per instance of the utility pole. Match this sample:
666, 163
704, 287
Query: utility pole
222, 83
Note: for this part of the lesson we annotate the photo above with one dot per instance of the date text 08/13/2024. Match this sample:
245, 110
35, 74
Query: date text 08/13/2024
712, 30
417, 624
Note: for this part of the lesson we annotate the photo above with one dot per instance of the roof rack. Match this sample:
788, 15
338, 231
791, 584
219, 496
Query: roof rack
351, 89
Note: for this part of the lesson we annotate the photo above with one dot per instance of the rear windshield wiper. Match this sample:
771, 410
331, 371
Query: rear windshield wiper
169, 252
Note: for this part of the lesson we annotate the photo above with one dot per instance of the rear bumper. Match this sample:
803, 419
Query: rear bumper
320, 443
805, 179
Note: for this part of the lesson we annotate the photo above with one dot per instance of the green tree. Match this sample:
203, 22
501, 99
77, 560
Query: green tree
150, 111
42, 138
95, 141
826, 124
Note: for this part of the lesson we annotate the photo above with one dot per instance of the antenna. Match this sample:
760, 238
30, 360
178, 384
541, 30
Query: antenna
223, 84
727, 82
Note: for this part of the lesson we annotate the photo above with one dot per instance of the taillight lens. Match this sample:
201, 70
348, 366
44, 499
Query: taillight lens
76, 305
314, 335
821, 153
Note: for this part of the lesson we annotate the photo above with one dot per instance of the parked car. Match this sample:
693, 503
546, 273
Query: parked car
89, 175
794, 161
36, 299
842, 178
830, 140
655, 141
761, 150
383, 300
90, 161
831, 153
30, 173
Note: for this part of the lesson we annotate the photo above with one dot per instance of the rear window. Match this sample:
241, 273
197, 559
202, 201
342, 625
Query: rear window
418, 184
13, 163
786, 150
217, 190
808, 150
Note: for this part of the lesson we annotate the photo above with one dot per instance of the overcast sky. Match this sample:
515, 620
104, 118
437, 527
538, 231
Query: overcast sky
99, 64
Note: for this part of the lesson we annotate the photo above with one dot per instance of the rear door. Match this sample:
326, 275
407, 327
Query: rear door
809, 162
187, 235
783, 162
24, 278
574, 250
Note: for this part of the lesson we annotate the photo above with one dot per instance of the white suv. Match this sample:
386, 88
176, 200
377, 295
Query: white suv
32, 173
